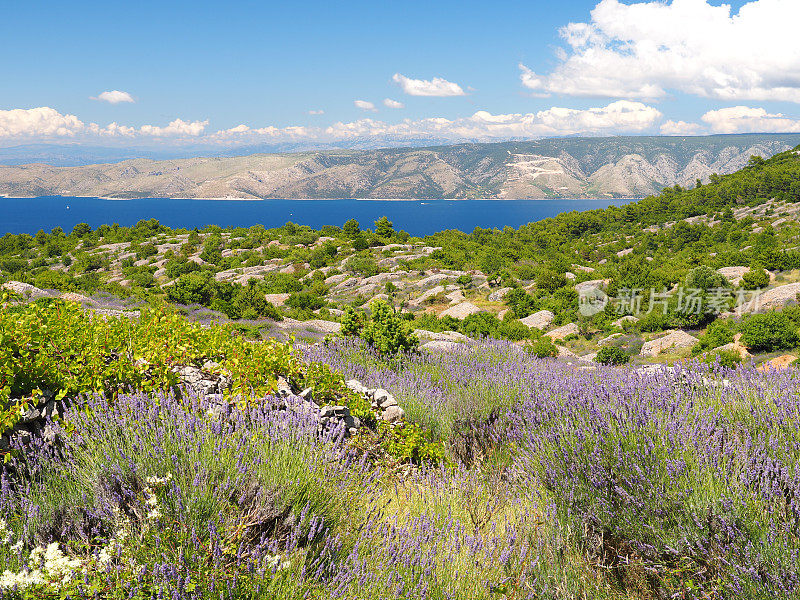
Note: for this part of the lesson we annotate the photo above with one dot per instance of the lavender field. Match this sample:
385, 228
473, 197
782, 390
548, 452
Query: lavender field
556, 483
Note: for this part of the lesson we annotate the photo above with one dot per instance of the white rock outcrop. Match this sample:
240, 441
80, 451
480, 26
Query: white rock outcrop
461, 311
673, 340
540, 320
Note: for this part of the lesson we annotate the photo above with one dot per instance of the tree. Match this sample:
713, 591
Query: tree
756, 278
351, 228
80, 230
386, 331
611, 355
384, 227
768, 332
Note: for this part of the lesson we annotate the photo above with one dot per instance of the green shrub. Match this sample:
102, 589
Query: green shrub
480, 324
718, 333
725, 358
756, 278
362, 264
542, 348
611, 355
653, 321
520, 302
768, 332
305, 301
384, 329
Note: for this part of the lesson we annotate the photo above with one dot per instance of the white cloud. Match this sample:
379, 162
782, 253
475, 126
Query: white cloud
622, 116
114, 97
178, 127
316, 112
423, 87
45, 123
743, 119
680, 128
645, 50
389, 103
38, 122
364, 105
617, 117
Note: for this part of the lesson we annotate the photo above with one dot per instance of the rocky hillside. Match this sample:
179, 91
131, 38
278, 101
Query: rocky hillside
555, 168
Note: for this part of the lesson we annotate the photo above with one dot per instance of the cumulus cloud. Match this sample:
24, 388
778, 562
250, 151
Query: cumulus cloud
680, 128
178, 127
622, 116
38, 122
316, 112
45, 123
645, 50
424, 87
389, 103
743, 119
114, 97
364, 105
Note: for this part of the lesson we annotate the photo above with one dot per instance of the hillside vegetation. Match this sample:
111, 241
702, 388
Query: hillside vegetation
159, 441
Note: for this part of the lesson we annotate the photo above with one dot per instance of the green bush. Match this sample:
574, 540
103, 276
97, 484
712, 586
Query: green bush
384, 329
653, 321
520, 302
718, 333
756, 278
611, 355
305, 301
542, 348
768, 332
725, 358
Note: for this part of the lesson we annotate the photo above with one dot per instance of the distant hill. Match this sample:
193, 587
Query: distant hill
550, 168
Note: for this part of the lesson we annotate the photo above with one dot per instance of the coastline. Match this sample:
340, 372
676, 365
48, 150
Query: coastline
233, 199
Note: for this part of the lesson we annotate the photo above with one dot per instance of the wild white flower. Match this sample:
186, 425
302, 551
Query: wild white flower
276, 563
58, 565
153, 480
17, 547
21, 580
5, 532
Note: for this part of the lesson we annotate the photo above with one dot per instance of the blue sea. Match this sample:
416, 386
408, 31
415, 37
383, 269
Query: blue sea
418, 217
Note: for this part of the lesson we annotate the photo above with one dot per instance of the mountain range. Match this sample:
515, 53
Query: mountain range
549, 168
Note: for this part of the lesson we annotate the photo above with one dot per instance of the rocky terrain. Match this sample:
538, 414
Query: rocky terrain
556, 168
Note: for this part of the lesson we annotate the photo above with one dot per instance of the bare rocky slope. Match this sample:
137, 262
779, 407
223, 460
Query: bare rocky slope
553, 168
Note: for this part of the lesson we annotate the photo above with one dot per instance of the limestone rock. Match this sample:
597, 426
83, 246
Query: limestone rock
323, 326
540, 320
434, 291
594, 284
26, 290
74, 297
622, 320
393, 414
276, 299
498, 295
776, 298
733, 274
336, 279
607, 340
446, 336
439, 346
561, 332
455, 296
675, 339
734, 347
778, 363
433, 280
461, 311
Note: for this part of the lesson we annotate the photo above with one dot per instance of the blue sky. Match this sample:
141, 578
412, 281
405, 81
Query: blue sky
511, 69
